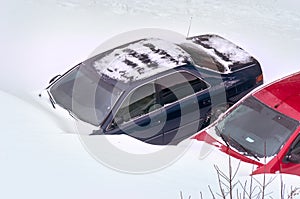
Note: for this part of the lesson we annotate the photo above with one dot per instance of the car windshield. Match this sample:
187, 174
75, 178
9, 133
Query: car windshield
86, 94
255, 129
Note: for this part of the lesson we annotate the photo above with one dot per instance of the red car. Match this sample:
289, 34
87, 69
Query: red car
263, 128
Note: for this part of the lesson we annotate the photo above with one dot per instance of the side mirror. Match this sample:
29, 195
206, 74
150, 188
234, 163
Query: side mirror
294, 156
97, 132
54, 78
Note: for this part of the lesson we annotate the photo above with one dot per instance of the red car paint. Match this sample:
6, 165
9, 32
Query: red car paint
277, 164
283, 96
204, 136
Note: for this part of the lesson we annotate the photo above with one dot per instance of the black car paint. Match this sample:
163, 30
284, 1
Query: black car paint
235, 84
242, 81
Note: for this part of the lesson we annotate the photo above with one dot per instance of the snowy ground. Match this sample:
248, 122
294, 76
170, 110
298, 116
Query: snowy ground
40, 39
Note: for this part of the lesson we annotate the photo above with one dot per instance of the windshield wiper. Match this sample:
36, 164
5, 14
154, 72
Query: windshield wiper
227, 139
51, 100
218, 131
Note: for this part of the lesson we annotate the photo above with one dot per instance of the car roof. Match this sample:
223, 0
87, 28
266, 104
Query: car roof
282, 95
147, 57
140, 59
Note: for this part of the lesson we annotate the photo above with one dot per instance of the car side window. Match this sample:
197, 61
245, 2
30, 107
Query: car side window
139, 102
177, 86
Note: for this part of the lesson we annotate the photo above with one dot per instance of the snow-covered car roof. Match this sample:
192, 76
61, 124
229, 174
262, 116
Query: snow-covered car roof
141, 59
147, 57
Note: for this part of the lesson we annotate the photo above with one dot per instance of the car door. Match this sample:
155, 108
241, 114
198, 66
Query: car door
186, 100
140, 116
291, 161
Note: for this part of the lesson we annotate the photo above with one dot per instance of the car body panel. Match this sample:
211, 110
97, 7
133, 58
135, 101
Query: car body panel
281, 96
155, 61
286, 102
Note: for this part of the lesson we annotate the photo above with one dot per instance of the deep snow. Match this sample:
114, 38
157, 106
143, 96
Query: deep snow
39, 162
40, 39
43, 38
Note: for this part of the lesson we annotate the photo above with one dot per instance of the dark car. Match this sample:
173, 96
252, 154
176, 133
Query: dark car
155, 90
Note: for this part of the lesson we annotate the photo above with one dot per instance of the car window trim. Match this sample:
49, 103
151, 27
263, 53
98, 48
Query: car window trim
157, 97
184, 98
110, 123
71, 113
63, 75
292, 145
251, 64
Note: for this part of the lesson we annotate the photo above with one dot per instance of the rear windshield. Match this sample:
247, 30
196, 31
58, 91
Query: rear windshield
201, 58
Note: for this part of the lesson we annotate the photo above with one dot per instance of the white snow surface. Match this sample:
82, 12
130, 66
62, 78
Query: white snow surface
114, 66
42, 162
40, 39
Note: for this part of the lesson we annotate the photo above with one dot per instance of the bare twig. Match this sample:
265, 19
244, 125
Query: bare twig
264, 178
282, 186
238, 168
211, 192
244, 190
251, 183
230, 176
294, 192
220, 182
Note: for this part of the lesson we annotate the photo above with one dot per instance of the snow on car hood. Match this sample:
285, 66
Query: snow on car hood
141, 59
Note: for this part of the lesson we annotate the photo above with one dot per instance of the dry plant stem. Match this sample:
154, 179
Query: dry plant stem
181, 196
212, 194
244, 190
220, 183
282, 187
201, 197
230, 176
255, 191
294, 192
264, 178
251, 184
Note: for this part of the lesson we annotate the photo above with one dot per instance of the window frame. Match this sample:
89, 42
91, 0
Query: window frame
71, 112
109, 126
291, 147
193, 49
184, 98
156, 94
